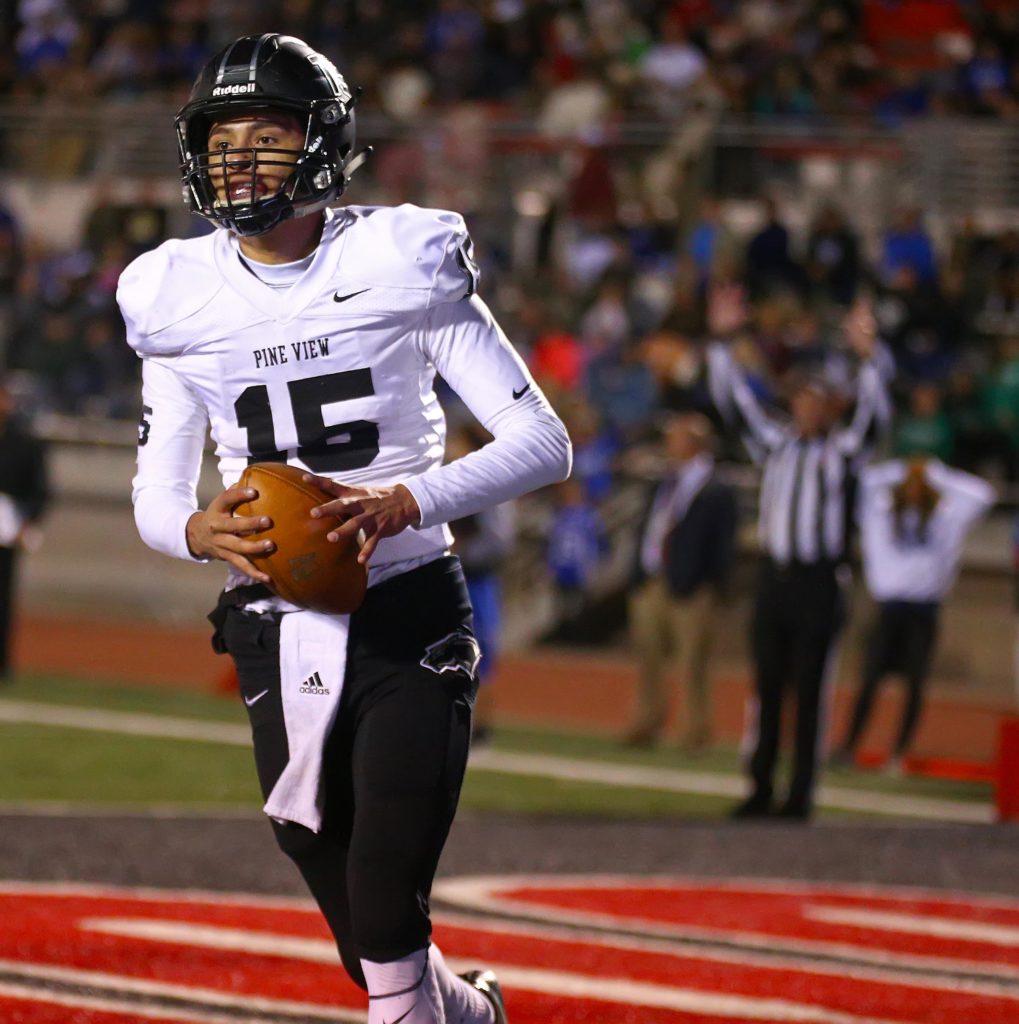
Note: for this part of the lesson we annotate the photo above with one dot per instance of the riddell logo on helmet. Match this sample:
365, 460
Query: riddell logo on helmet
233, 90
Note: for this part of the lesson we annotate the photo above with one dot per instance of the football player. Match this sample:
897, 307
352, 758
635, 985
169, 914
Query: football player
311, 335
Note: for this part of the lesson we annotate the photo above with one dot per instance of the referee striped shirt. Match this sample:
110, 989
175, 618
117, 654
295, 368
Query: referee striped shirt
808, 483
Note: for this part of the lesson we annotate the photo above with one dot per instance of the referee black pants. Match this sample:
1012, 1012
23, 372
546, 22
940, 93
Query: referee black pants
902, 641
798, 615
394, 762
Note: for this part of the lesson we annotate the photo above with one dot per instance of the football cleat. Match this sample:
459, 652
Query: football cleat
488, 985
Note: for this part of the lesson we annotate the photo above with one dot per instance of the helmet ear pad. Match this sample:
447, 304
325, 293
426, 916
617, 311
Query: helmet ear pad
283, 75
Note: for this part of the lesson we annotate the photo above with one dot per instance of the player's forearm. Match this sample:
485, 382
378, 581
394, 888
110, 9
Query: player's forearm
171, 436
871, 414
737, 403
883, 474
973, 495
161, 515
530, 453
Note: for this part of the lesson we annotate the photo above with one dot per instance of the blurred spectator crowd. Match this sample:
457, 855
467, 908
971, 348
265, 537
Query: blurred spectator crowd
898, 58
624, 343
612, 308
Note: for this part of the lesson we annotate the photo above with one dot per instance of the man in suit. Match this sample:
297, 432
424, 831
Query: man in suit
685, 548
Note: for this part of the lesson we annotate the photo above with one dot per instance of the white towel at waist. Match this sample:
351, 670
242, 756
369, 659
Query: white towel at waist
313, 661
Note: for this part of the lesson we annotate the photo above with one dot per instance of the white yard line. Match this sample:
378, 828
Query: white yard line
894, 969
139, 809
674, 780
486, 894
665, 997
129, 723
99, 891
189, 933
139, 987
858, 963
130, 1009
917, 924
891, 969
670, 780
550, 982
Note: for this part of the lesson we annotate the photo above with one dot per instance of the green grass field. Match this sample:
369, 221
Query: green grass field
71, 765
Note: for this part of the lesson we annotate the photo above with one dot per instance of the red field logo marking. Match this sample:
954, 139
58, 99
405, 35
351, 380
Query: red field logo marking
578, 949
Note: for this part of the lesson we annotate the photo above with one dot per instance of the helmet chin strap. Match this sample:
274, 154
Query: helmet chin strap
355, 163
246, 218
358, 161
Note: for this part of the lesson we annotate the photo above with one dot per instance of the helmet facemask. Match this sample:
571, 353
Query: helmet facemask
281, 74
317, 170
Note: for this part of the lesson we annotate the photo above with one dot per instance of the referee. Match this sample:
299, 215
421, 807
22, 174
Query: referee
809, 469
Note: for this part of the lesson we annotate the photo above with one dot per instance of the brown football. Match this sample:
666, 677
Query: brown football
304, 567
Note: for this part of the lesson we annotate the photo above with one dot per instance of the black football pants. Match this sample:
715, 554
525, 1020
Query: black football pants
394, 763
902, 641
797, 618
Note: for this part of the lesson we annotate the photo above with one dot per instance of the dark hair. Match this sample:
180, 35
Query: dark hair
929, 498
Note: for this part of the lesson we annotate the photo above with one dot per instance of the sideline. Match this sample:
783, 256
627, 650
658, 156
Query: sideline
671, 780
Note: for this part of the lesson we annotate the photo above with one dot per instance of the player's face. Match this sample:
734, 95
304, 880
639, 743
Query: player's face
279, 139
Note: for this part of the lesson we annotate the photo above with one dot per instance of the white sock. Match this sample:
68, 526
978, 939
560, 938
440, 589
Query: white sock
403, 990
463, 1003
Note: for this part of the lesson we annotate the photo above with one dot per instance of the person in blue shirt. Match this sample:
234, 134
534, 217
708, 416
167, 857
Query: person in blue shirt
908, 244
576, 547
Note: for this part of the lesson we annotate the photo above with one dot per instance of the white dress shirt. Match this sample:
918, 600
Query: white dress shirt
672, 501
908, 561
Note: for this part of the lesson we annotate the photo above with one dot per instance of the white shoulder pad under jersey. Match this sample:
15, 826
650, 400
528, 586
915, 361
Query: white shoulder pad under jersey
409, 247
163, 287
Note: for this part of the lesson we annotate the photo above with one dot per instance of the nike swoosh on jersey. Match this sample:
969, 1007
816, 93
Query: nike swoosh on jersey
252, 701
402, 1016
517, 395
337, 297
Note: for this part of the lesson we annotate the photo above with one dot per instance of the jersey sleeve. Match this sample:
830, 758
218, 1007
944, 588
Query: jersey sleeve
883, 474
427, 252
970, 496
732, 396
530, 446
162, 288
871, 413
873, 495
456, 275
135, 290
171, 436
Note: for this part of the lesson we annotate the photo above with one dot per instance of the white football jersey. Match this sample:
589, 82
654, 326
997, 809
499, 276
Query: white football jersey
334, 373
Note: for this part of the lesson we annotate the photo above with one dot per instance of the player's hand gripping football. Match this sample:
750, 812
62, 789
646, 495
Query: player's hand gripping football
218, 533
378, 511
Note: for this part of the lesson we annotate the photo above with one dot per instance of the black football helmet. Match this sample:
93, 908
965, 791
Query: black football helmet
279, 73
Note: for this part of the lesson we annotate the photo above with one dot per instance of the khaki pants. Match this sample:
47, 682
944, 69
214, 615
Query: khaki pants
662, 628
